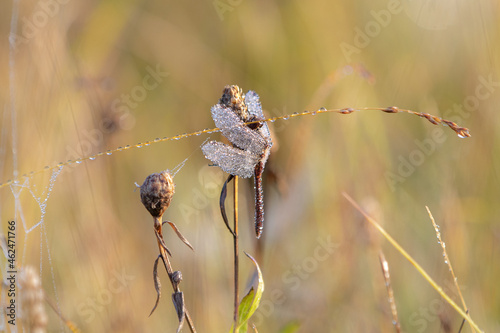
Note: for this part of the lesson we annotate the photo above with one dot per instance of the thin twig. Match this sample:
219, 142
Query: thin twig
72, 327
236, 254
168, 266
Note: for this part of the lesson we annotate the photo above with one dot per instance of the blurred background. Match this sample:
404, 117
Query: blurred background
84, 77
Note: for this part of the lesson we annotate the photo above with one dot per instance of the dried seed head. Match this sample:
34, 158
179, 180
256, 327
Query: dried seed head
156, 193
234, 98
391, 109
32, 300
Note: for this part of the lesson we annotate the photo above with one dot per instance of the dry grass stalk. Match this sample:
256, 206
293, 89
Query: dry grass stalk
462, 132
447, 261
419, 268
390, 293
235, 234
236, 254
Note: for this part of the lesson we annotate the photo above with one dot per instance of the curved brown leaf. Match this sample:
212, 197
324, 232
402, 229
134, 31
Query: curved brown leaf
181, 237
157, 283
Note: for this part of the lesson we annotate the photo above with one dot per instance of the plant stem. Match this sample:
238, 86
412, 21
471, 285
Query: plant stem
236, 250
168, 268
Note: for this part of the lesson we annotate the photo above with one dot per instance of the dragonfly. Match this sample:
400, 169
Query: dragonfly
251, 143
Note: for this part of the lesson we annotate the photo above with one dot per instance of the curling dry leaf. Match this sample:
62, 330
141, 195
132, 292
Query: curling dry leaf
156, 279
178, 233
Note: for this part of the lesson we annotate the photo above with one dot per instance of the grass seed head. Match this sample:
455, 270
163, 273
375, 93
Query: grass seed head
32, 300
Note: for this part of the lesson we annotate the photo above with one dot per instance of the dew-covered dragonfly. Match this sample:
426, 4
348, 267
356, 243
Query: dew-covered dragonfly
251, 142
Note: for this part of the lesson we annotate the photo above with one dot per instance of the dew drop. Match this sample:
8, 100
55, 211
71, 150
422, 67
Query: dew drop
446, 262
157, 139
109, 152
198, 134
92, 158
139, 145
461, 136
46, 167
295, 113
177, 138
286, 117
314, 113
272, 120
323, 109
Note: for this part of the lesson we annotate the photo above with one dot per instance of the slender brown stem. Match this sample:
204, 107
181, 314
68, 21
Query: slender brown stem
236, 258
168, 268
390, 292
66, 321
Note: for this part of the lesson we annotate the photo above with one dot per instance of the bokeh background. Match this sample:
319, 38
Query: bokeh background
83, 77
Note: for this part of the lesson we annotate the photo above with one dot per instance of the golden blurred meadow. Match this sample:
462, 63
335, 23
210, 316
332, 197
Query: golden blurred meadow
83, 77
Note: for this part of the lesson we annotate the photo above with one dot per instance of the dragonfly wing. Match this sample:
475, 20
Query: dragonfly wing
235, 130
255, 109
253, 104
232, 160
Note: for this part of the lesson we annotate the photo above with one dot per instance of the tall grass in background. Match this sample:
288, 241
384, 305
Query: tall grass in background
72, 79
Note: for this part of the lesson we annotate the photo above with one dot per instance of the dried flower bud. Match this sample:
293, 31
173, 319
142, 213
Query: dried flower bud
177, 277
234, 98
156, 193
